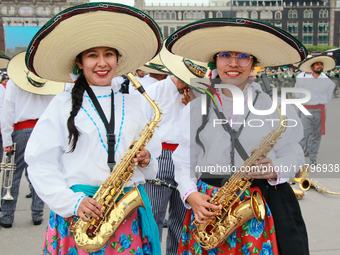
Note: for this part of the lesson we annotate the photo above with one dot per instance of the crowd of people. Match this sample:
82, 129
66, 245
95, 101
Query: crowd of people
73, 114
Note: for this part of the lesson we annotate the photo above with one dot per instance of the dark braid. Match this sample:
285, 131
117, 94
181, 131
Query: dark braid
205, 119
77, 100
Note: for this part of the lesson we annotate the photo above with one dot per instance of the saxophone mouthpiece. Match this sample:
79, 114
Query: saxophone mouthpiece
135, 83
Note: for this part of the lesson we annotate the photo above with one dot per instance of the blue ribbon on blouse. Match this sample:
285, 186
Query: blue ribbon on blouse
149, 226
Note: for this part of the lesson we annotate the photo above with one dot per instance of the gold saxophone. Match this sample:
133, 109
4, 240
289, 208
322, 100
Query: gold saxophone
211, 234
92, 236
305, 184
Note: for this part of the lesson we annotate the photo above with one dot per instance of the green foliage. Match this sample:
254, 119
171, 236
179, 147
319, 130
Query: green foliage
319, 48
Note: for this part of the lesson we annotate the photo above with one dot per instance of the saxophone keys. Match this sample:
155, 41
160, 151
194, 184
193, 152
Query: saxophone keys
106, 229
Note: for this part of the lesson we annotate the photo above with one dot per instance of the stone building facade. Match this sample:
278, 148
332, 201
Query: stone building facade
30, 13
313, 22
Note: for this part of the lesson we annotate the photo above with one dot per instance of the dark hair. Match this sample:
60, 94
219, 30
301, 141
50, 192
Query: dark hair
4, 77
77, 101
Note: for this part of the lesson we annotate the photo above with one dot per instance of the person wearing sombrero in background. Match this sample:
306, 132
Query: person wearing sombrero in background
69, 154
155, 70
233, 47
4, 78
26, 98
321, 88
172, 94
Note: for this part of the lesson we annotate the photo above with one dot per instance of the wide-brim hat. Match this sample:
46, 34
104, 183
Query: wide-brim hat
4, 62
328, 63
154, 66
26, 80
53, 50
202, 39
183, 68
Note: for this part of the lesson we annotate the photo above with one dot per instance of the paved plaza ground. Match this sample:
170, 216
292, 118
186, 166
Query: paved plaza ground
320, 211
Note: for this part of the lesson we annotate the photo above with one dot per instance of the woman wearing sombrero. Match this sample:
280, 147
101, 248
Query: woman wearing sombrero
233, 47
82, 134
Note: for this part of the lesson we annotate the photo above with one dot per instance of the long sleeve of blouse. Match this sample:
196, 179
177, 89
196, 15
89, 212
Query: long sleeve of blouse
53, 169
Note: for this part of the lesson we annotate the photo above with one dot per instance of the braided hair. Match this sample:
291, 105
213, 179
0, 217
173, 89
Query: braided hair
77, 100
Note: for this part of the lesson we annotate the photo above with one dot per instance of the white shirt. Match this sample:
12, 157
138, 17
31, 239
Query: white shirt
321, 88
189, 158
256, 86
2, 96
52, 170
165, 93
19, 105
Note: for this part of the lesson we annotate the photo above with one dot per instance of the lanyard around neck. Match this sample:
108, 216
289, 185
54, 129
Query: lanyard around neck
110, 127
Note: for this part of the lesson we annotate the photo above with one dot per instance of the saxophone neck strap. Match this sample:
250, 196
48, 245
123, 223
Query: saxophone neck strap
234, 135
110, 127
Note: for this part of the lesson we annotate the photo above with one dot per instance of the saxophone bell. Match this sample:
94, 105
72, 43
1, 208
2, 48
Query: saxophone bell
8, 169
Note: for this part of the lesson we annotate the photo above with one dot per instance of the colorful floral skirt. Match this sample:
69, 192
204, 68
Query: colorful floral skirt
126, 240
253, 237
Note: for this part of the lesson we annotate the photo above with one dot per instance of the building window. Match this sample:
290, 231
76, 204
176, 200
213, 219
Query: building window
25, 10
156, 15
292, 28
173, 15
202, 15
278, 15
266, 15
43, 11
254, 15
269, 15
307, 39
323, 39
197, 15
323, 28
323, 14
307, 14
172, 29
279, 25
219, 14
308, 28
7, 10
162, 15
292, 14
211, 15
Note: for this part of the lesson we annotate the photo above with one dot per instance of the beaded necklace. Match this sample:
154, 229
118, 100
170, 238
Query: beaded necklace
121, 124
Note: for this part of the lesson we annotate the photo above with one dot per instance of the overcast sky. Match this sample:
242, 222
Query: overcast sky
156, 2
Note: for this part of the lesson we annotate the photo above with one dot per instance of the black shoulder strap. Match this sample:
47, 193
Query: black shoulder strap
234, 135
110, 127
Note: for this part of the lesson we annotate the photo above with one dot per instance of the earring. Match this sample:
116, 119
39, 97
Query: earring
76, 70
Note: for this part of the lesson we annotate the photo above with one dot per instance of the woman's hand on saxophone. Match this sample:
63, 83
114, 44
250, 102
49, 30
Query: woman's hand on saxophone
143, 158
199, 204
91, 207
264, 169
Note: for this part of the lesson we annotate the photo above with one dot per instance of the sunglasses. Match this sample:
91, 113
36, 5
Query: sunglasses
225, 58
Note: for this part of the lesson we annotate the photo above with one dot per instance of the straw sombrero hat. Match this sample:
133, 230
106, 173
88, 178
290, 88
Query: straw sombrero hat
26, 80
155, 66
202, 39
183, 68
4, 62
328, 63
52, 52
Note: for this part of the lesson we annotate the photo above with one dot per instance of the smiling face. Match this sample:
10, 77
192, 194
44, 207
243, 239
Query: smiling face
99, 65
233, 73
